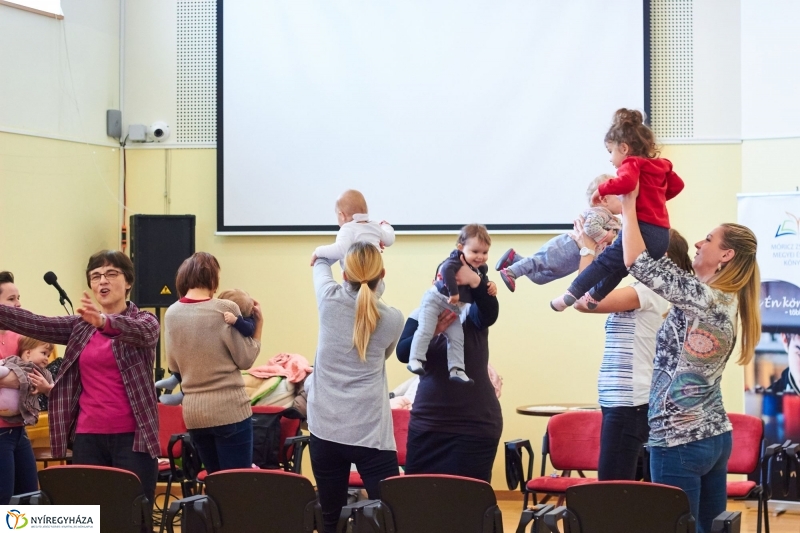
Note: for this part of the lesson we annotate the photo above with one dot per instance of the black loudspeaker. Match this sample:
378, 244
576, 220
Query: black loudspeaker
159, 244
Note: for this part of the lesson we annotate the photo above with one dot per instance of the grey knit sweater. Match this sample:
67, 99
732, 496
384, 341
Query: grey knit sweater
210, 356
348, 399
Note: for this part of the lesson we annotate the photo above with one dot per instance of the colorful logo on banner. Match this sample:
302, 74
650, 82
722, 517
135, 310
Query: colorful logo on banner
16, 519
790, 226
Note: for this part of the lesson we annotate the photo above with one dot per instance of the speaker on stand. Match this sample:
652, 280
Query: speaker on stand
159, 244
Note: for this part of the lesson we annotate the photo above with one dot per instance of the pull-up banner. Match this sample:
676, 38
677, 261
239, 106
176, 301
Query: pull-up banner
772, 380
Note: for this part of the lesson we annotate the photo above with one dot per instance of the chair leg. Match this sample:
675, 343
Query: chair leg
766, 515
166, 505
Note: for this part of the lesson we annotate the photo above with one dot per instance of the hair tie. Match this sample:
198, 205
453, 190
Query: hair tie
364, 281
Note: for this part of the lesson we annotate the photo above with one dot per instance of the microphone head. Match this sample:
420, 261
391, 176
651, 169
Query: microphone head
50, 278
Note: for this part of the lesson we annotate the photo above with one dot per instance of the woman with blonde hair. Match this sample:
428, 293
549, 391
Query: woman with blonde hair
348, 397
690, 434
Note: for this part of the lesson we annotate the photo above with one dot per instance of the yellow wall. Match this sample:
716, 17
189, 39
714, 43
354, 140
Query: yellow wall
543, 357
58, 205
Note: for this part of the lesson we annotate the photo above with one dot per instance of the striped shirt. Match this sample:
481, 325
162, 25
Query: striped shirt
627, 367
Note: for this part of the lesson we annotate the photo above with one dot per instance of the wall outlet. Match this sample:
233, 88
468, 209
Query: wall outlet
137, 133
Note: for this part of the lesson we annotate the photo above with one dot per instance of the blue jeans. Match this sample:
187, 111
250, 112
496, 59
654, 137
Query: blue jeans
608, 269
17, 464
225, 447
622, 439
700, 469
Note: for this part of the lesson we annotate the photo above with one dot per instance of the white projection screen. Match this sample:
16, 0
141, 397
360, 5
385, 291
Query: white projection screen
442, 112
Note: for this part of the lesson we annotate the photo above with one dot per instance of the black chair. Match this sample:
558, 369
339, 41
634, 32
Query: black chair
119, 493
629, 506
432, 504
249, 500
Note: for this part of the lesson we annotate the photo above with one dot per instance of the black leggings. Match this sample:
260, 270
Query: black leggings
331, 464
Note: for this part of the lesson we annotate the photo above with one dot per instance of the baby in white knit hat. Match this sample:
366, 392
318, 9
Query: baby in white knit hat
561, 255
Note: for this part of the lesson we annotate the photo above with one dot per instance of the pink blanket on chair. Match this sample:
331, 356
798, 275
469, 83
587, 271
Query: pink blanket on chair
292, 366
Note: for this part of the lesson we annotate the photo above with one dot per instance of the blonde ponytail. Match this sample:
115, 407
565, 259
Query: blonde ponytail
364, 268
741, 275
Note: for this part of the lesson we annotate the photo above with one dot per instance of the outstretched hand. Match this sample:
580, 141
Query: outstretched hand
90, 312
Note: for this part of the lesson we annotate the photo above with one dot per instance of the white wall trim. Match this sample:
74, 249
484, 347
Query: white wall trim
56, 137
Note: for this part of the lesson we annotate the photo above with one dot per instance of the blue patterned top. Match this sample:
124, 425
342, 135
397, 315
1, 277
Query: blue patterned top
692, 348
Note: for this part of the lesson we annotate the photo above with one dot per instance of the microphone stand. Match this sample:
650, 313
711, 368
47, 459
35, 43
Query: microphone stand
62, 300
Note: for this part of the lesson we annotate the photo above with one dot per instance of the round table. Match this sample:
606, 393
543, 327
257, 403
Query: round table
551, 409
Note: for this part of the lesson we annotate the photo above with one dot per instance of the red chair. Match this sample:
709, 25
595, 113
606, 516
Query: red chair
400, 419
292, 442
248, 500
629, 506
430, 504
572, 441
748, 457
172, 434
119, 493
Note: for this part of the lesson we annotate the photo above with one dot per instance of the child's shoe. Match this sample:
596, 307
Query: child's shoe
459, 376
506, 260
563, 301
509, 279
171, 399
417, 367
169, 383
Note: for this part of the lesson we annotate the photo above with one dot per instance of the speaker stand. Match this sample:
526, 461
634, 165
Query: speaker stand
159, 370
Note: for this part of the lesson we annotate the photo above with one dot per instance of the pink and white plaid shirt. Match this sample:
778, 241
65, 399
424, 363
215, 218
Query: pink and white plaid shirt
134, 349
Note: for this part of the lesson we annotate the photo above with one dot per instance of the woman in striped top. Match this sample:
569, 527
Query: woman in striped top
690, 434
635, 315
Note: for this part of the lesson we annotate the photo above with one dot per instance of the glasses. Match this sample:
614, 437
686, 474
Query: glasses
110, 275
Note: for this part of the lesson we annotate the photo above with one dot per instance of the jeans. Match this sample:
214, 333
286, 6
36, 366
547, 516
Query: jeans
331, 462
608, 269
700, 469
225, 447
116, 450
559, 257
17, 464
622, 438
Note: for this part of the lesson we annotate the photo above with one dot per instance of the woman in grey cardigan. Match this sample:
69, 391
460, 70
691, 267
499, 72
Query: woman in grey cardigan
348, 397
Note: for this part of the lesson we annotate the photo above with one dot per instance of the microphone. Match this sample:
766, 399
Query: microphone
51, 279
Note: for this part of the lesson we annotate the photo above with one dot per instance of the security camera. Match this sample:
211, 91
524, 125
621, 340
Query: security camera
159, 131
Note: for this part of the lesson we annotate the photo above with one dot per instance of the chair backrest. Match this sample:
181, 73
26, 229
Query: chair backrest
170, 422
748, 442
400, 419
119, 494
630, 506
436, 503
290, 427
574, 440
268, 501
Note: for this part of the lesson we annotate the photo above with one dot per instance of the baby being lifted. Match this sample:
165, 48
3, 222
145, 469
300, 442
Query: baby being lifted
472, 250
353, 218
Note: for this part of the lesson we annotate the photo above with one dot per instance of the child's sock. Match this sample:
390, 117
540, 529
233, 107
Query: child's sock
563, 301
171, 399
169, 383
415, 366
591, 303
506, 260
509, 279
459, 376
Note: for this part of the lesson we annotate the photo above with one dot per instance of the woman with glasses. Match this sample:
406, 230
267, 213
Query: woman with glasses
104, 400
